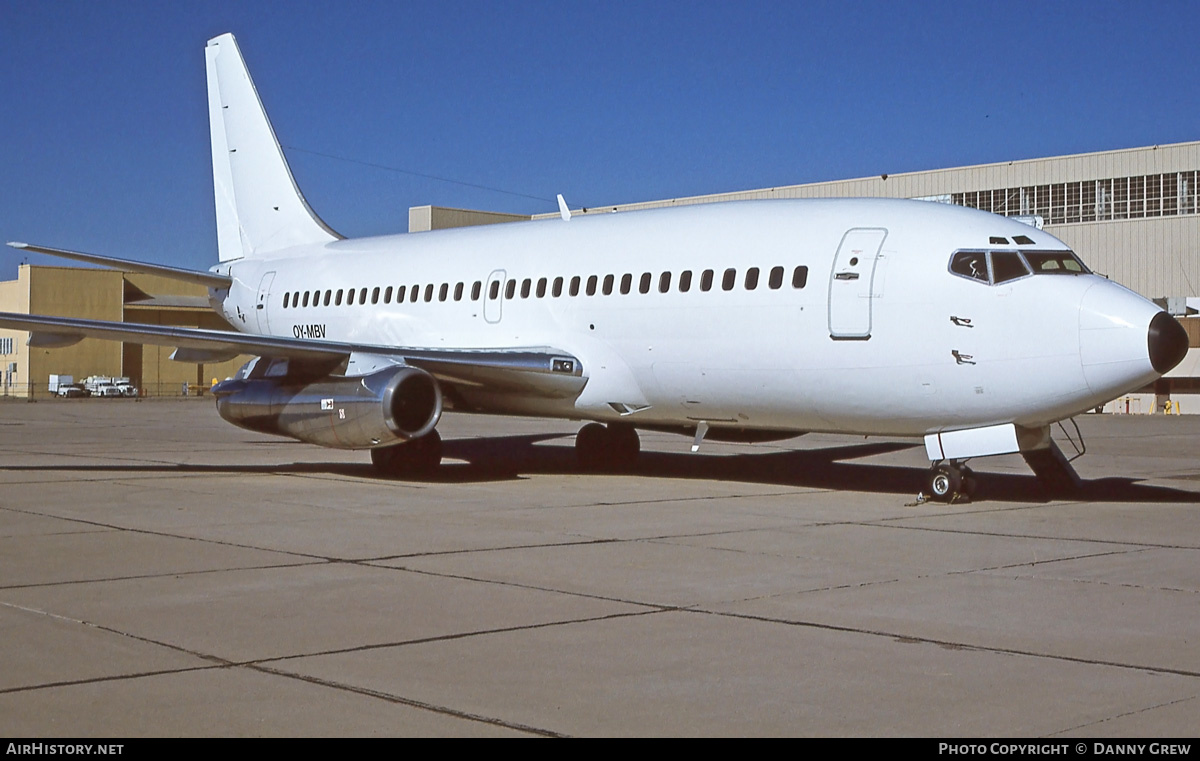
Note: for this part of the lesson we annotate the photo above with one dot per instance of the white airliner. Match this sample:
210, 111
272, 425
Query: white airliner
745, 321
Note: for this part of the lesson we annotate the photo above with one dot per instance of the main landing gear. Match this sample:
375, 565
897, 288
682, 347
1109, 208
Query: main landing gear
614, 447
949, 481
418, 457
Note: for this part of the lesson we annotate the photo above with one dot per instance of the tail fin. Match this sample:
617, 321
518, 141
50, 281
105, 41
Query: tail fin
259, 207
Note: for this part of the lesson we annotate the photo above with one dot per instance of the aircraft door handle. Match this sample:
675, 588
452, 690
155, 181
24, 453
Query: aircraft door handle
962, 322
846, 276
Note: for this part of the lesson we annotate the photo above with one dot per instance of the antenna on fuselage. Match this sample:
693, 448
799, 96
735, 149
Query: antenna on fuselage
563, 211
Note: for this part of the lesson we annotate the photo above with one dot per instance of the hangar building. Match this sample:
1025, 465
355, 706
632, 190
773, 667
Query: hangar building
102, 294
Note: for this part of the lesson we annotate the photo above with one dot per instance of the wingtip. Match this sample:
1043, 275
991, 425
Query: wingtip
18, 244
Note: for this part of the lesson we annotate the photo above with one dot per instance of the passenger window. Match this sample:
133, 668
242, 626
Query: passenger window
664, 282
970, 264
626, 283
443, 291
525, 286
429, 293
375, 295
575, 286
776, 279
799, 277
541, 287
458, 291
476, 287
556, 289
608, 285
494, 291
328, 295
706, 280
337, 298
362, 296
730, 278
286, 297
510, 289
591, 285
400, 290
644, 283
306, 298
685, 281
387, 295
751, 278
414, 294
1007, 265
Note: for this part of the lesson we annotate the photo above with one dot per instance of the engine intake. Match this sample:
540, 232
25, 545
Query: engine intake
359, 412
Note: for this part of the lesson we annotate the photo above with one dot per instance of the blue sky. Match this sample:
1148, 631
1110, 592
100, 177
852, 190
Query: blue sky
105, 136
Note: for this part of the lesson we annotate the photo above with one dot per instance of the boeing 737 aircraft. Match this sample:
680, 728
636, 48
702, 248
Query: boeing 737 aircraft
744, 321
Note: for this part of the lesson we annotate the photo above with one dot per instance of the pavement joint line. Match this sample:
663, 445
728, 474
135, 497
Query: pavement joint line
949, 644
456, 636
1122, 715
224, 663
1047, 561
411, 702
110, 678
101, 627
517, 585
581, 542
1084, 539
163, 575
167, 534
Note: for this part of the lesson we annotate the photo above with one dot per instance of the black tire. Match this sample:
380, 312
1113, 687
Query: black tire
420, 456
943, 482
624, 446
591, 446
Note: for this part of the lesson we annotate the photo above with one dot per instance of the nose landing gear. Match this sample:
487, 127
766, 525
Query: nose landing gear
950, 482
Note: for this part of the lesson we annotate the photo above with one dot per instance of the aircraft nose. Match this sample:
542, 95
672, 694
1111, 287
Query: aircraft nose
1125, 341
1167, 342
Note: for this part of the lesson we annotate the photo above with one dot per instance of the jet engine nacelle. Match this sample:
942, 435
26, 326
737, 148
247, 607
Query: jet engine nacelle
357, 412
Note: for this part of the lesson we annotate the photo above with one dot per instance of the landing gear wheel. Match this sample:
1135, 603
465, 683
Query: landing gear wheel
969, 483
624, 446
944, 482
610, 448
590, 446
412, 458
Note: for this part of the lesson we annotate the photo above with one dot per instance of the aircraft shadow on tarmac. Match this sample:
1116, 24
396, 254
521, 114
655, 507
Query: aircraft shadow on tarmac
505, 458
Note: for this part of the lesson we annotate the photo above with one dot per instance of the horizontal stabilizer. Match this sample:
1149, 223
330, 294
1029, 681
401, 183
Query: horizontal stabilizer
208, 279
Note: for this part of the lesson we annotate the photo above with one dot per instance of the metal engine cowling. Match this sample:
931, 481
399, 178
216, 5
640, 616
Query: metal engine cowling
358, 412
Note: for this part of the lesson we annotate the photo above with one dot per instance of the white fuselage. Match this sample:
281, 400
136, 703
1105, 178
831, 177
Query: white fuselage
882, 337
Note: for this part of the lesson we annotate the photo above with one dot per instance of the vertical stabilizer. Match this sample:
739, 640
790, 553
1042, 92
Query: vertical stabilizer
259, 207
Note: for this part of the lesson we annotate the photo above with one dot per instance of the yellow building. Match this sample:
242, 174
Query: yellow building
102, 294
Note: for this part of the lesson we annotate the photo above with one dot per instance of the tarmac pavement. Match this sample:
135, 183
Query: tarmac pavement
165, 574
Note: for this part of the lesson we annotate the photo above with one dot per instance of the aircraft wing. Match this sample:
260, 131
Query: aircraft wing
541, 371
209, 279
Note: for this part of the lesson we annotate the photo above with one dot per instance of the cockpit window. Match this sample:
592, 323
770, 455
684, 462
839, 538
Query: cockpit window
970, 264
1007, 265
1055, 263
994, 267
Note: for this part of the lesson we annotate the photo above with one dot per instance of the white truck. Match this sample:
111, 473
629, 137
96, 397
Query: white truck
101, 385
65, 386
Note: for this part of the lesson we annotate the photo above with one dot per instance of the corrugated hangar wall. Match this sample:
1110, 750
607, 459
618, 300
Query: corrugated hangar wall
1131, 214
